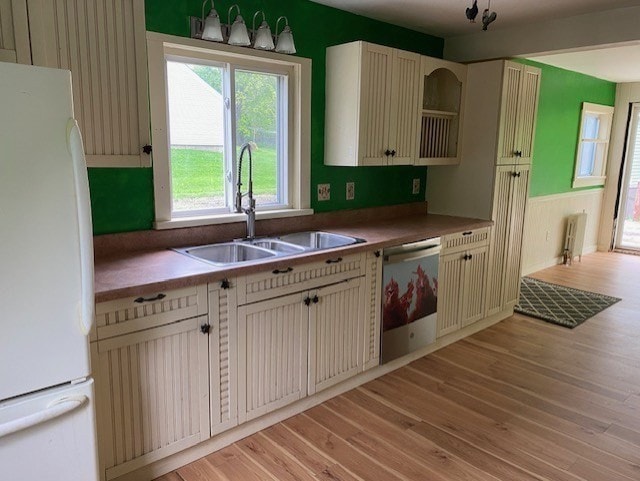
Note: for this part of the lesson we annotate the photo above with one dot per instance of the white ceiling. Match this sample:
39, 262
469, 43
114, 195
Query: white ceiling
446, 19
616, 64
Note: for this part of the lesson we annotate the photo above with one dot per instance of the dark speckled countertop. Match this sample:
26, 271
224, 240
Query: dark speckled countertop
121, 273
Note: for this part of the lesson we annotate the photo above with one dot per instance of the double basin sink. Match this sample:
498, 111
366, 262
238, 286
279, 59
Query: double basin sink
239, 251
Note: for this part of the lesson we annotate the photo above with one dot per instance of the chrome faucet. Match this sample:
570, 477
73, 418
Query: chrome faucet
251, 210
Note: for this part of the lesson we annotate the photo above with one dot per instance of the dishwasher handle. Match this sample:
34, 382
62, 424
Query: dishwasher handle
411, 255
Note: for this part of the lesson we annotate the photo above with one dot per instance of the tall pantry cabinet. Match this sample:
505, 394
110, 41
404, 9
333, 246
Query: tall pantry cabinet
492, 179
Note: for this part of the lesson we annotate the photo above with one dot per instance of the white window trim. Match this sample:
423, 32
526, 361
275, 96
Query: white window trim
299, 135
593, 180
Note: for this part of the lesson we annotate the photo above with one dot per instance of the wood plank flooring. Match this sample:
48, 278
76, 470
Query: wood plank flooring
523, 400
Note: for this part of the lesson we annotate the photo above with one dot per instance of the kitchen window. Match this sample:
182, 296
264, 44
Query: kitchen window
595, 130
207, 101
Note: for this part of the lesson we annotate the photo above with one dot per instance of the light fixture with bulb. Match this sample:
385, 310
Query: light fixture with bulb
210, 28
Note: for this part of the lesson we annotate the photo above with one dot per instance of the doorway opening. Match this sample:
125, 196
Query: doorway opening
628, 227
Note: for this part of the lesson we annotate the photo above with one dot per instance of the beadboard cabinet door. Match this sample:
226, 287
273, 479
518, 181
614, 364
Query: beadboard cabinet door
450, 280
272, 353
474, 285
152, 394
14, 32
102, 42
373, 309
335, 333
518, 112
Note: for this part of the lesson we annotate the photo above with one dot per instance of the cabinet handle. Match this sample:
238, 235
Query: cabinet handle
467, 233
307, 301
518, 153
387, 152
518, 174
282, 271
315, 299
147, 149
224, 284
334, 261
393, 153
205, 328
514, 174
376, 253
470, 256
140, 300
465, 257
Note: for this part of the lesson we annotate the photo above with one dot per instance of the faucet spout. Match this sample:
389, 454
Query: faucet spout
251, 210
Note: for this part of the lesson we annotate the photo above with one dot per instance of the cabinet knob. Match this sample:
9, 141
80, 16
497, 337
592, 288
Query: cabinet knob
393, 153
518, 174
518, 153
514, 174
315, 299
205, 328
387, 152
147, 149
376, 253
307, 301
224, 284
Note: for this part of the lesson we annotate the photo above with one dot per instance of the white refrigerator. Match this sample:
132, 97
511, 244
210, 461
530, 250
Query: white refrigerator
47, 420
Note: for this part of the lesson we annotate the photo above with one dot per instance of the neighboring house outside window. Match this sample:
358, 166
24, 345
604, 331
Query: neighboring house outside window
591, 159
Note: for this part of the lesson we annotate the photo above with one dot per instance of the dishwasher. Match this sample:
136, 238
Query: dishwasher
409, 297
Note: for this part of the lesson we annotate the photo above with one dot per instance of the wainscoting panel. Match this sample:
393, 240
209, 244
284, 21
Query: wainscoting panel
546, 224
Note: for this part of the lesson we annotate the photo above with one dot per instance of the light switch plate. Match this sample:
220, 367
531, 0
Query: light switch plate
324, 191
351, 190
416, 186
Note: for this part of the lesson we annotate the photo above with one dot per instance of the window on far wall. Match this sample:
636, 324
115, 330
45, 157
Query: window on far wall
212, 102
591, 159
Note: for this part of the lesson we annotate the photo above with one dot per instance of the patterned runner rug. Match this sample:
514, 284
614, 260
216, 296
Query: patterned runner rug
560, 305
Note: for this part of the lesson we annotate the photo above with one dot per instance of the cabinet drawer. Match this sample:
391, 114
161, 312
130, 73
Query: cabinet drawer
132, 314
266, 285
465, 240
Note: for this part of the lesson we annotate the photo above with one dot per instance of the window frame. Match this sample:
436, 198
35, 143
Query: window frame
605, 116
161, 47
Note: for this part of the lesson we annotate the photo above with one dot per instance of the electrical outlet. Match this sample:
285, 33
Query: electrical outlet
548, 236
324, 191
351, 190
416, 186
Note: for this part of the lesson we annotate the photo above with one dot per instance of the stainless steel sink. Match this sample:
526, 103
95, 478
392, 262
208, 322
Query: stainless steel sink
228, 253
278, 246
318, 240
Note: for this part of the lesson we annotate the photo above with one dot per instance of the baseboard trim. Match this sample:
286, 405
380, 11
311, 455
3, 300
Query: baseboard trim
175, 461
553, 262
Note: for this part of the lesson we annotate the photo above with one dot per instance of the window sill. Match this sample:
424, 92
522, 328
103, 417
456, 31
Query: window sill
228, 218
588, 181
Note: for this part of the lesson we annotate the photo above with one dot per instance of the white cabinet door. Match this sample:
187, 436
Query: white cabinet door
519, 108
152, 394
335, 334
272, 350
223, 356
103, 44
450, 276
514, 244
14, 32
376, 109
403, 121
500, 237
474, 285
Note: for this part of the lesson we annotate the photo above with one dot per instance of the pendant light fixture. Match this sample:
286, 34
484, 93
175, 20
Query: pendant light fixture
238, 34
211, 30
262, 39
284, 40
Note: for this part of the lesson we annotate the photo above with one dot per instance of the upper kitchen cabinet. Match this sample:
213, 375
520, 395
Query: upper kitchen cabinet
14, 32
518, 112
102, 42
372, 101
442, 91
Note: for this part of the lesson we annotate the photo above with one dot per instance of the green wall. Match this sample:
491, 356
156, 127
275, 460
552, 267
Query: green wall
122, 199
561, 95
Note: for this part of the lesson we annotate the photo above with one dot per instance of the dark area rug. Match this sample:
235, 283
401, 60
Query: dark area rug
560, 305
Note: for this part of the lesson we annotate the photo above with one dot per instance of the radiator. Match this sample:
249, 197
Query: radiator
574, 240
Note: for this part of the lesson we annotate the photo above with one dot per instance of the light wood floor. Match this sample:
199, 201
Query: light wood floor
523, 400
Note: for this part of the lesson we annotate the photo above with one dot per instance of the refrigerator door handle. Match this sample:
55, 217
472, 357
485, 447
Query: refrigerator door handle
85, 235
55, 409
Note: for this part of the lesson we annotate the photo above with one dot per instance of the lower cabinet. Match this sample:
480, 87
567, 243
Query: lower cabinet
462, 281
299, 344
152, 394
